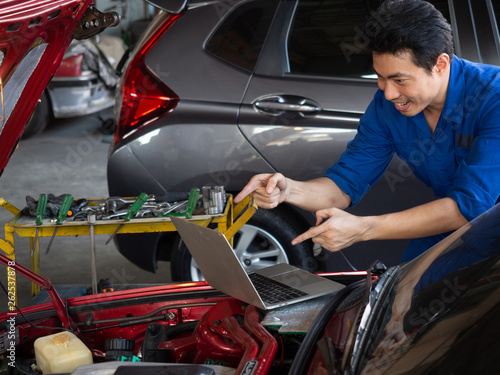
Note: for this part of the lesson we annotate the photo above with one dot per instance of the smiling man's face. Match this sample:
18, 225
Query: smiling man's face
411, 88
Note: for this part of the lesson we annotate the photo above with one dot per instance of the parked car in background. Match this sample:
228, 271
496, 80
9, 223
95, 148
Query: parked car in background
216, 92
84, 83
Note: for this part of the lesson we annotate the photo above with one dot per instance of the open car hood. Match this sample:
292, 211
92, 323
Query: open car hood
34, 35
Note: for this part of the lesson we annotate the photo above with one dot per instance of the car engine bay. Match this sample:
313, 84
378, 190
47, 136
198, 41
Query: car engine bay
212, 334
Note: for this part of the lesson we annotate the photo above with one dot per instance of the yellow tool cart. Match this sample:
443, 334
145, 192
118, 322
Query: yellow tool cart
229, 222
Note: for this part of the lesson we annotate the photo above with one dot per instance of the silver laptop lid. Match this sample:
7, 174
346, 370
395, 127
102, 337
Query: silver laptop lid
221, 268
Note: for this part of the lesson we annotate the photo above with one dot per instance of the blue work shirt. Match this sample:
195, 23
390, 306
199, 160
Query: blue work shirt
459, 160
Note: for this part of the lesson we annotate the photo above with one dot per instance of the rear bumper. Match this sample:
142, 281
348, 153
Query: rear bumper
73, 96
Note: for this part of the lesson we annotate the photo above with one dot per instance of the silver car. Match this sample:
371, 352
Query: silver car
84, 83
219, 91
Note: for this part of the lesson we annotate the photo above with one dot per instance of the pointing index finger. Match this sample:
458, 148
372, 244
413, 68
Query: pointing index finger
243, 193
254, 183
312, 232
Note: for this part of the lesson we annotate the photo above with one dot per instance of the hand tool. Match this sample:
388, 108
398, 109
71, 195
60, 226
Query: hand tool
91, 217
40, 214
190, 206
113, 204
214, 199
165, 211
61, 215
192, 201
136, 206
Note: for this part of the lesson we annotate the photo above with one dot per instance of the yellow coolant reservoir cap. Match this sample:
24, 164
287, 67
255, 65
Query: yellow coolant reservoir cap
61, 340
61, 353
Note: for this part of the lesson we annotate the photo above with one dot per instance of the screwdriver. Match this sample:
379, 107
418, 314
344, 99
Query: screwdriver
133, 210
190, 205
40, 214
61, 215
192, 201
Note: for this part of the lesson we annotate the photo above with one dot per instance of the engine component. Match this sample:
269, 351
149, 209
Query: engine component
93, 22
156, 334
117, 348
61, 353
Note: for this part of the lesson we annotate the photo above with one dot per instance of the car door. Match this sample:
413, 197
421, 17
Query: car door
312, 83
311, 86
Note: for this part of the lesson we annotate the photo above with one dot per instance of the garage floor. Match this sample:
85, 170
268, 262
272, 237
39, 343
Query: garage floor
68, 157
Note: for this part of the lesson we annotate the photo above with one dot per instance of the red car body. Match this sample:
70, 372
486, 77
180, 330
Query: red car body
41, 29
202, 326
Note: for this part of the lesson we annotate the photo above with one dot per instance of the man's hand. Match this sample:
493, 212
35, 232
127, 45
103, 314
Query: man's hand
268, 190
335, 229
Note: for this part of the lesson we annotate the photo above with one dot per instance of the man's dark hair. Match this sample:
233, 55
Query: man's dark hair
410, 25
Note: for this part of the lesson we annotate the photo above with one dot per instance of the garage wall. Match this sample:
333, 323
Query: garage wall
131, 11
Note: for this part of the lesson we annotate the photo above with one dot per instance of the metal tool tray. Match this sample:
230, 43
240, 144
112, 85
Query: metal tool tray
229, 222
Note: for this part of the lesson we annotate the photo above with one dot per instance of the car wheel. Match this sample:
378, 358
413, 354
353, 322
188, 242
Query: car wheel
264, 241
40, 117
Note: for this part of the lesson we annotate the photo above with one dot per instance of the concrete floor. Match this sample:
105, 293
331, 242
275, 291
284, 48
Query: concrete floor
70, 156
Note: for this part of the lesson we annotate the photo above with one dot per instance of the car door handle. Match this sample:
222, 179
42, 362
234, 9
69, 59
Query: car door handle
278, 105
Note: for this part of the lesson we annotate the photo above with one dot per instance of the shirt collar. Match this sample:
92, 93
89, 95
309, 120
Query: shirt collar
454, 105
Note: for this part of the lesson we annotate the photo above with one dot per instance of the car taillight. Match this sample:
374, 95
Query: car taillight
70, 67
144, 97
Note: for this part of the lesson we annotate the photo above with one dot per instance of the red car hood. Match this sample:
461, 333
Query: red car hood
34, 35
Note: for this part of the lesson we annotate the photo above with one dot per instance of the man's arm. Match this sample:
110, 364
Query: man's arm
439, 216
336, 229
269, 190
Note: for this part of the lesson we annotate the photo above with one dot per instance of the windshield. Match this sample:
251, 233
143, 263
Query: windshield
422, 308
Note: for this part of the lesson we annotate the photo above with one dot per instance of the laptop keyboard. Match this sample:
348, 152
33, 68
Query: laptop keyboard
272, 291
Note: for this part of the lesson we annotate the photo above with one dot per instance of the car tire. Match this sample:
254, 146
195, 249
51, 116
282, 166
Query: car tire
268, 230
40, 117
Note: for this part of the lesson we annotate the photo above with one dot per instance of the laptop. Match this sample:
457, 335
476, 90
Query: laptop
266, 288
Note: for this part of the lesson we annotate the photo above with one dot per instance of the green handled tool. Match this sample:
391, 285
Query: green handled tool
61, 215
190, 205
40, 214
192, 201
133, 210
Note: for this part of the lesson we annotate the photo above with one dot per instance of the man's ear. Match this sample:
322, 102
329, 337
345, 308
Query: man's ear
442, 64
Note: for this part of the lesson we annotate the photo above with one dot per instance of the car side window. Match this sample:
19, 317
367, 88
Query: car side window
326, 37
239, 38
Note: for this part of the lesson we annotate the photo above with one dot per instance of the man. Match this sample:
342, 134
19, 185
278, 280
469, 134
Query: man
439, 113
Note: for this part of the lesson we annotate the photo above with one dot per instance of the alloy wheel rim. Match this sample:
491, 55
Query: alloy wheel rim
255, 248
